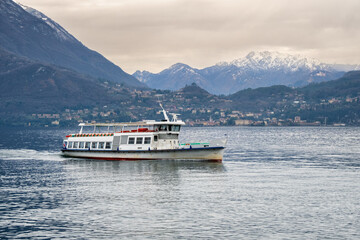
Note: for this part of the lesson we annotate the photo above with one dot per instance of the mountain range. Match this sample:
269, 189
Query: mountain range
28, 33
44, 69
257, 69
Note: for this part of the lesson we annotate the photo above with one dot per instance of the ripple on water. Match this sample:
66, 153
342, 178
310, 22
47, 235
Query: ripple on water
296, 183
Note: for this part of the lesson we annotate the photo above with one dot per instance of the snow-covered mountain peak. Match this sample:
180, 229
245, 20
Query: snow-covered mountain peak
274, 60
256, 69
180, 67
177, 66
61, 33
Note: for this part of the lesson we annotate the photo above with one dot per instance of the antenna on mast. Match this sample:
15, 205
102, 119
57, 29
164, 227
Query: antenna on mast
164, 112
174, 116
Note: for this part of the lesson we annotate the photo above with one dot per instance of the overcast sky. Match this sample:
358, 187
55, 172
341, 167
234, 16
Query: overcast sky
154, 34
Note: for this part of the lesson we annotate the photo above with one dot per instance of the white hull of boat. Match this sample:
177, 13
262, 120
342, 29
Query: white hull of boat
209, 154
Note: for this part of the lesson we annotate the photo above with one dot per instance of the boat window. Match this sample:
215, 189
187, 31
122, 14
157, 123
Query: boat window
176, 128
93, 144
81, 145
131, 140
108, 145
163, 128
87, 144
155, 138
147, 140
76, 144
139, 140
101, 145
70, 145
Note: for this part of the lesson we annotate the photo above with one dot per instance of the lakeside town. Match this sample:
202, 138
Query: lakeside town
199, 108
225, 119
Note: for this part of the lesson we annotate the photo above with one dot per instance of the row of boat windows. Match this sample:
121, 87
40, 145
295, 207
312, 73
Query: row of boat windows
86, 145
139, 140
106, 145
175, 128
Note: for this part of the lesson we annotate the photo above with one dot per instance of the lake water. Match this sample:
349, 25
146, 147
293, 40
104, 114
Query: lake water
274, 183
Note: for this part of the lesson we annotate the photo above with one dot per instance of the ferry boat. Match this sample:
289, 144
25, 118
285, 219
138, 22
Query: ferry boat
145, 140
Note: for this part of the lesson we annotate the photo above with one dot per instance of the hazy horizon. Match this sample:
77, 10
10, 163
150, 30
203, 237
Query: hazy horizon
153, 35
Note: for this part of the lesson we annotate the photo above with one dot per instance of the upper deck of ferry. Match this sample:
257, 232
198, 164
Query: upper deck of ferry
134, 127
155, 134
165, 125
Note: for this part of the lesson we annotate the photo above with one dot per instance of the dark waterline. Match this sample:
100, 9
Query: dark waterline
282, 183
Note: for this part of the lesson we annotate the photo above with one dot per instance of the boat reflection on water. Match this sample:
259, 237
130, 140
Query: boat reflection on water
170, 169
134, 174
147, 166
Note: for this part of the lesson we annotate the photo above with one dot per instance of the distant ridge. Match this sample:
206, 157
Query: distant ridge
257, 69
174, 78
29, 33
346, 86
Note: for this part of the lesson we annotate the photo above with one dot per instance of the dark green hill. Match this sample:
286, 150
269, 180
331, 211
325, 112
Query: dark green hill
348, 85
194, 90
260, 98
29, 87
336, 101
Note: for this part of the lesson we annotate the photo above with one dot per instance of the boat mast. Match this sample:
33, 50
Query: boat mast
81, 127
164, 112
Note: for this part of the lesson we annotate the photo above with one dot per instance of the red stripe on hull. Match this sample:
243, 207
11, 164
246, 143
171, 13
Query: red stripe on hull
139, 159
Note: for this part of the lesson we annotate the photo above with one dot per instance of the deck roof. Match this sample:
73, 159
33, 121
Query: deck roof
141, 123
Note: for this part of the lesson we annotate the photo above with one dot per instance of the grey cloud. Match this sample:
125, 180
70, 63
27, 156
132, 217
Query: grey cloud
152, 35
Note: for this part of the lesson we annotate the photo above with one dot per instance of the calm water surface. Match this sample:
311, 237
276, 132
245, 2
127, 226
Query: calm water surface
274, 183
